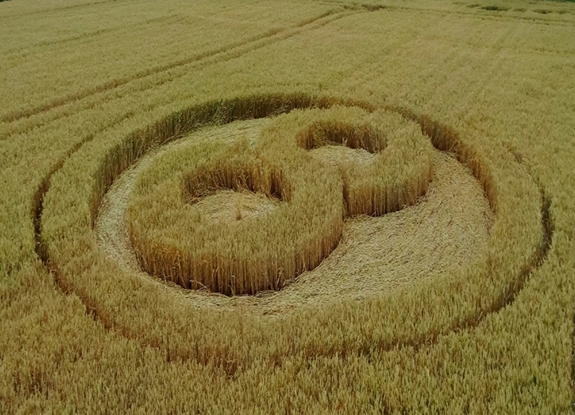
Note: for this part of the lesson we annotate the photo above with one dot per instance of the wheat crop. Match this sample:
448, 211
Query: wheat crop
287, 207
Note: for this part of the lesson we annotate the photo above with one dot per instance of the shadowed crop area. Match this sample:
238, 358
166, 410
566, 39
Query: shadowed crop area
271, 207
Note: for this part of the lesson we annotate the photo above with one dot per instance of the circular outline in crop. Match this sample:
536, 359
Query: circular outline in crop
155, 318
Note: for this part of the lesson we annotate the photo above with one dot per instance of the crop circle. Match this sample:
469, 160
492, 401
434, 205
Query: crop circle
140, 309
169, 217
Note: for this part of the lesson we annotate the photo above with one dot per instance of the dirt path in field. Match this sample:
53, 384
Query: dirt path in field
443, 234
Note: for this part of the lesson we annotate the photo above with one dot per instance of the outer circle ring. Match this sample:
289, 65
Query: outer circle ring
154, 317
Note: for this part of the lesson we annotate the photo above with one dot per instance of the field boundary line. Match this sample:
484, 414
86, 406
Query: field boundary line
482, 14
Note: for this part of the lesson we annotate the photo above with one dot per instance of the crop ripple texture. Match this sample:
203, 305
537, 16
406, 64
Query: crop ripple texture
277, 207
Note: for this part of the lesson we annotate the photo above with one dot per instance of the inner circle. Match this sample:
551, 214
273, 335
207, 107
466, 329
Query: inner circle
440, 235
175, 241
231, 206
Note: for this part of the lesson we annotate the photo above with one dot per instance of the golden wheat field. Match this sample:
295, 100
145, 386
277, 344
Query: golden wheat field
287, 207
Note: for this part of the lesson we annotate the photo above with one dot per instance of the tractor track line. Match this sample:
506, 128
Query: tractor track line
62, 9
219, 55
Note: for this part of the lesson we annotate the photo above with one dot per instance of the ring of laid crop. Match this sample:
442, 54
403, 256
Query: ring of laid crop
174, 240
141, 310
